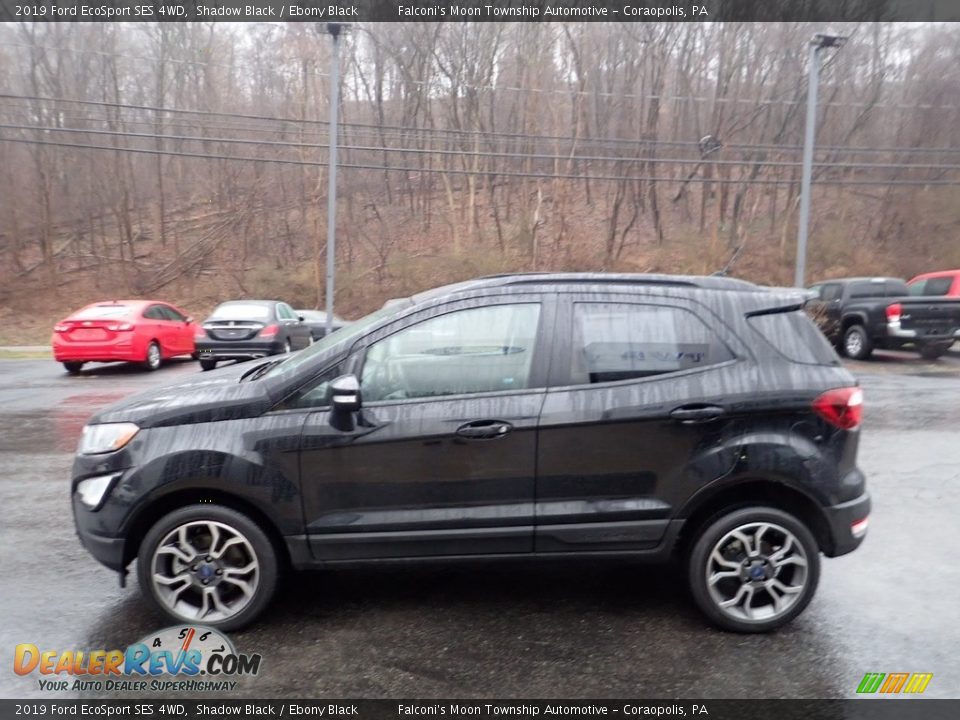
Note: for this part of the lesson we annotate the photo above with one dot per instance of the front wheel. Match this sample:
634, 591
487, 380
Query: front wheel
754, 569
209, 565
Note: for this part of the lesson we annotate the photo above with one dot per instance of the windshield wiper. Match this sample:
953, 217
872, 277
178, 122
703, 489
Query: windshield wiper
259, 370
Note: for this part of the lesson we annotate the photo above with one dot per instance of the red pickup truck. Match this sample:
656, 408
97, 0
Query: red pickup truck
945, 283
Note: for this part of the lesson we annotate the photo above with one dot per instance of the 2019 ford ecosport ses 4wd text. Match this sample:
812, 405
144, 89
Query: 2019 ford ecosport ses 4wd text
578, 415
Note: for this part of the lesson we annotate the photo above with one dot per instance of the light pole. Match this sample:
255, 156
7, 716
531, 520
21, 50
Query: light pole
334, 29
817, 43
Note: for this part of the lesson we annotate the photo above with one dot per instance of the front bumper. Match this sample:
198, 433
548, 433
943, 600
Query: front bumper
109, 551
846, 526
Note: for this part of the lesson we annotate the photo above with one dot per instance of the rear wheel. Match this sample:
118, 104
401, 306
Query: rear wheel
154, 358
210, 565
207, 363
753, 569
73, 367
856, 343
933, 350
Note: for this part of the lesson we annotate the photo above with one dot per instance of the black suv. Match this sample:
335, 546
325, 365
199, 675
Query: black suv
575, 415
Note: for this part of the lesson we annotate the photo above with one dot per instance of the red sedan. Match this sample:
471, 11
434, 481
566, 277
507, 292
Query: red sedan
142, 331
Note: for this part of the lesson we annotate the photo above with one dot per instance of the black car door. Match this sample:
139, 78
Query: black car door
442, 458
635, 405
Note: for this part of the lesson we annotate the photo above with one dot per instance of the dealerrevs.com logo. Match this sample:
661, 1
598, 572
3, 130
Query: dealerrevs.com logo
180, 658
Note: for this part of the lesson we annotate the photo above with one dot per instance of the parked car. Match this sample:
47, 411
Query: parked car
860, 314
248, 329
943, 283
316, 320
142, 331
545, 415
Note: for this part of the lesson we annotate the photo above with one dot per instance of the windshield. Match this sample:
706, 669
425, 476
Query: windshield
344, 337
240, 311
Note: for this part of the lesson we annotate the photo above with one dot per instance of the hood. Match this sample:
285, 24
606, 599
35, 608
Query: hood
205, 397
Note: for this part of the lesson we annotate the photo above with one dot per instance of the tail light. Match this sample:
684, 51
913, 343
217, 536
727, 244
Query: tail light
61, 327
894, 312
120, 327
269, 331
841, 407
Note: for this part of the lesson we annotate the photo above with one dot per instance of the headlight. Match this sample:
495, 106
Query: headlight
105, 438
92, 490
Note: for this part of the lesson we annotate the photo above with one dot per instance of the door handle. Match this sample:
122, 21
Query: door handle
484, 429
695, 414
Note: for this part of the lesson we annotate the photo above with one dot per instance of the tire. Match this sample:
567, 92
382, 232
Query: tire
856, 343
207, 364
933, 350
73, 367
154, 358
761, 605
194, 356
287, 347
229, 590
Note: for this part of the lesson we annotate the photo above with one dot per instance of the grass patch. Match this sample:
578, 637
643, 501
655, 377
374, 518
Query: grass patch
7, 354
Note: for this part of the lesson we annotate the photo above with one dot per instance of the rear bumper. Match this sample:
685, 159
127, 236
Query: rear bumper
846, 526
895, 330
100, 352
229, 350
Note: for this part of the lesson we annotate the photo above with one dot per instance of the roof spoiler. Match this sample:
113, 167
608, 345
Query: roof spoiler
783, 299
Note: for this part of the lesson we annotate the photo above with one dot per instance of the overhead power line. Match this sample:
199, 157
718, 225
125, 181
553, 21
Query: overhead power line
490, 155
504, 173
483, 134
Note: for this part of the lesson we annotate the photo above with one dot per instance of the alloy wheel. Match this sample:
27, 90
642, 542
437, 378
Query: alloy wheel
205, 571
153, 356
756, 572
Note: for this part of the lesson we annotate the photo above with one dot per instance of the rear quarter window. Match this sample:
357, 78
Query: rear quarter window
794, 336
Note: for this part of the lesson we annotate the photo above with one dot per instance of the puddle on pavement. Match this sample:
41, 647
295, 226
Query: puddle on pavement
54, 430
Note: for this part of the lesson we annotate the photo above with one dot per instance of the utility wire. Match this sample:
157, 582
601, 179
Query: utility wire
505, 173
482, 133
495, 155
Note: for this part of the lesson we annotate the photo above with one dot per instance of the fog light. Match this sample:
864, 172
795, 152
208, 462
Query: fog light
93, 490
859, 528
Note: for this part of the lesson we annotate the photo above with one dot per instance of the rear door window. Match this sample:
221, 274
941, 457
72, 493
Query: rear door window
624, 341
155, 312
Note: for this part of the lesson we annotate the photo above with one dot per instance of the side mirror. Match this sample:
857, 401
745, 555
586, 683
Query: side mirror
345, 400
301, 318
188, 320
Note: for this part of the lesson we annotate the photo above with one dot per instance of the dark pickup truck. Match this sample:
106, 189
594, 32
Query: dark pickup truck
860, 314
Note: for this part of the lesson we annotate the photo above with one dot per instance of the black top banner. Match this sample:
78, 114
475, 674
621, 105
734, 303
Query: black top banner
345, 11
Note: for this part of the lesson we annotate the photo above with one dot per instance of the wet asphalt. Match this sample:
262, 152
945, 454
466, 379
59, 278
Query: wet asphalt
526, 630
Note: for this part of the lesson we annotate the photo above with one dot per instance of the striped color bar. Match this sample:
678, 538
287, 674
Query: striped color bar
894, 683
918, 682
